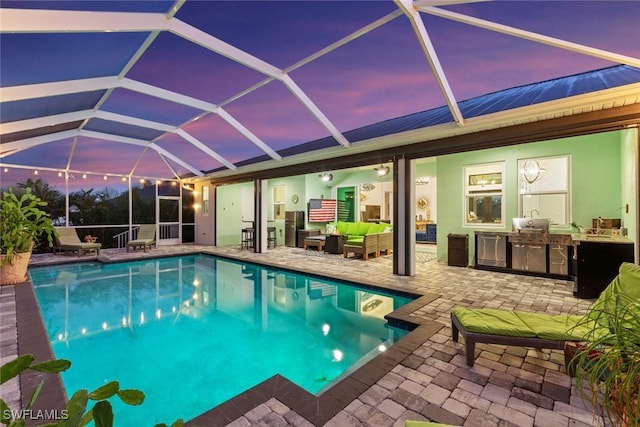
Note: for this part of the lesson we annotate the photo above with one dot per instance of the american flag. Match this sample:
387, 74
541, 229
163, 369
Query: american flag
322, 210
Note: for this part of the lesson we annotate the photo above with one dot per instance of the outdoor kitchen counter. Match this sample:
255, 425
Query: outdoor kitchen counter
581, 237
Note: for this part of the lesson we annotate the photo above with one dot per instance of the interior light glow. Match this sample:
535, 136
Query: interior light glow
173, 309
124, 179
59, 174
83, 331
382, 170
35, 172
105, 326
124, 321
141, 318
326, 177
60, 337
6, 170
141, 180
196, 283
382, 348
84, 176
104, 177
337, 355
325, 329
158, 313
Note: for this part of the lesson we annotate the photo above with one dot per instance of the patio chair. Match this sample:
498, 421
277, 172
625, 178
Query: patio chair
67, 240
538, 330
146, 238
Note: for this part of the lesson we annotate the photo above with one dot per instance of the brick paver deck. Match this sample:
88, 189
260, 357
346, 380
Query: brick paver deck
506, 386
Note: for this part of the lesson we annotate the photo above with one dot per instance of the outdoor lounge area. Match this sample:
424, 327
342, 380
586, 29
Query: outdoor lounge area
512, 384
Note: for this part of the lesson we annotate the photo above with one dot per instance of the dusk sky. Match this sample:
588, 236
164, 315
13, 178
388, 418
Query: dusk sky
381, 75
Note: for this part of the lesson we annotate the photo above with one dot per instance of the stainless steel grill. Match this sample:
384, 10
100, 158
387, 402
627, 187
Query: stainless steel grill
529, 242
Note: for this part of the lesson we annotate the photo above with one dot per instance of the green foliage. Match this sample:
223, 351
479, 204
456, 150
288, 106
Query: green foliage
609, 362
22, 222
76, 412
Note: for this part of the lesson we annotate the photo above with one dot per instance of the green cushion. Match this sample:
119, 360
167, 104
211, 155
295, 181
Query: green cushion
627, 283
559, 327
378, 228
363, 228
622, 290
492, 321
341, 227
355, 240
352, 228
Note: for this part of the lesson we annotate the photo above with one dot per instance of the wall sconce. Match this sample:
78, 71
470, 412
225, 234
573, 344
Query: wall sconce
382, 170
326, 177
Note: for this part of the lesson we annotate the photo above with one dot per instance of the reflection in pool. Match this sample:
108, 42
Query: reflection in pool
194, 331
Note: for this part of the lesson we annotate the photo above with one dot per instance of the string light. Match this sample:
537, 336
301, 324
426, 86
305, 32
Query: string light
35, 172
84, 176
104, 177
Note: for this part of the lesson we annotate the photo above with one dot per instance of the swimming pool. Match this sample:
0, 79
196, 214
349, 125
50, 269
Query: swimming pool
194, 331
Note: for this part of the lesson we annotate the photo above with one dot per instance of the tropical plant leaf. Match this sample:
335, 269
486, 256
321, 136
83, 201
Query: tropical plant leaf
35, 395
105, 391
5, 416
86, 418
76, 407
103, 414
52, 366
178, 423
131, 397
11, 369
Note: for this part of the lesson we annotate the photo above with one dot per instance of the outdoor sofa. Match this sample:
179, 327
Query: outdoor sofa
364, 237
539, 330
67, 240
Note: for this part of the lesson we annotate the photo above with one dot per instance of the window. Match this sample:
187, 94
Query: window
543, 185
278, 202
205, 200
484, 192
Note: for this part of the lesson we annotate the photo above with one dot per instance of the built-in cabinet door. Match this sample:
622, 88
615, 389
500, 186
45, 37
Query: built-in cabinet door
597, 264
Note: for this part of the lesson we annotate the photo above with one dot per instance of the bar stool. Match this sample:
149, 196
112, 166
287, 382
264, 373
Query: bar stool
247, 237
271, 236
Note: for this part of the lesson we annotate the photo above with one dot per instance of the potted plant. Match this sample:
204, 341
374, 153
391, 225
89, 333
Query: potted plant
608, 363
23, 224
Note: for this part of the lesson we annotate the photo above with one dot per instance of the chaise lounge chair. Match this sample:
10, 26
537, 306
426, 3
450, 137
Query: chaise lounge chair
538, 330
146, 238
67, 240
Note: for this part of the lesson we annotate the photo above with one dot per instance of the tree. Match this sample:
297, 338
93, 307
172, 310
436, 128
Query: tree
43, 190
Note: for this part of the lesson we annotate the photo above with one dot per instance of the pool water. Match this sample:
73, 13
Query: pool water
193, 331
